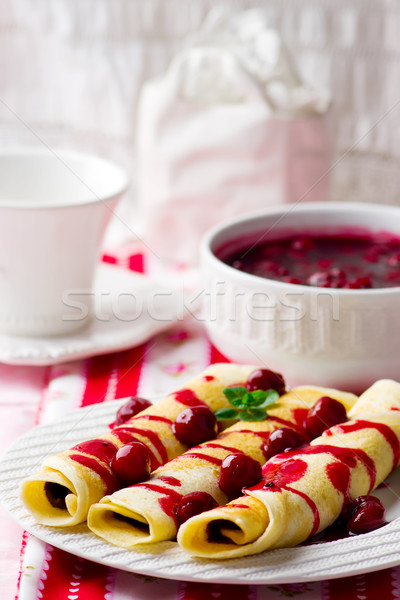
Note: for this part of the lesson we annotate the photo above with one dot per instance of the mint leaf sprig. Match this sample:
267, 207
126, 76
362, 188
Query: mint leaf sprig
247, 406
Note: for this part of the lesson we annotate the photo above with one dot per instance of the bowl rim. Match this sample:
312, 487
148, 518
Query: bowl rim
121, 184
207, 253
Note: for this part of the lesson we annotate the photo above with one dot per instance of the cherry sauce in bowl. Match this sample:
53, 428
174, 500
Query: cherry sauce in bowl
347, 261
311, 290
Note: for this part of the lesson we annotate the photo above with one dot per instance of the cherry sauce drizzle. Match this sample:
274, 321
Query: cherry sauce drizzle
188, 398
152, 436
110, 480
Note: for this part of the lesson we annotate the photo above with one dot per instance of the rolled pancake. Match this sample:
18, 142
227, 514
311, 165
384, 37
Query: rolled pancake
146, 512
381, 396
304, 491
70, 482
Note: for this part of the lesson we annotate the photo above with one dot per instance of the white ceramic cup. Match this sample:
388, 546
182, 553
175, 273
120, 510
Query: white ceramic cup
54, 209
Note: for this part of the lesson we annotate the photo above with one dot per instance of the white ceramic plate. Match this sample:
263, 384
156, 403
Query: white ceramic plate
129, 308
360, 554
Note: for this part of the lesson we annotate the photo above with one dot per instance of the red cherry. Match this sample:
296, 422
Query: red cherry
195, 425
281, 440
332, 278
290, 279
319, 279
372, 254
360, 283
351, 506
336, 272
194, 504
324, 414
394, 260
302, 244
368, 514
238, 471
131, 408
132, 462
264, 379
364, 282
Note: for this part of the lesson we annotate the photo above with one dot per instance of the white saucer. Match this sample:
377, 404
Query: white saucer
129, 308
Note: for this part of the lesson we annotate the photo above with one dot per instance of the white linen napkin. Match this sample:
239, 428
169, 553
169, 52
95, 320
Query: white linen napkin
229, 129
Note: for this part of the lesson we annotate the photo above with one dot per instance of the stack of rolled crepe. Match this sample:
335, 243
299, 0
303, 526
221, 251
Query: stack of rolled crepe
303, 492
70, 482
146, 512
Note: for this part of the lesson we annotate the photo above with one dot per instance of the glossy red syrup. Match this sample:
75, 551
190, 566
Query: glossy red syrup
217, 445
193, 504
279, 476
101, 449
339, 475
261, 434
153, 418
314, 510
297, 426
169, 500
152, 436
387, 433
284, 473
264, 435
288, 467
123, 433
148, 485
211, 459
170, 480
124, 436
188, 398
383, 486
299, 415
347, 456
208, 378
168, 506
348, 259
104, 451
109, 478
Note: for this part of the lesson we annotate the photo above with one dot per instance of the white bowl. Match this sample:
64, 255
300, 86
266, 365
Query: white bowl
332, 337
